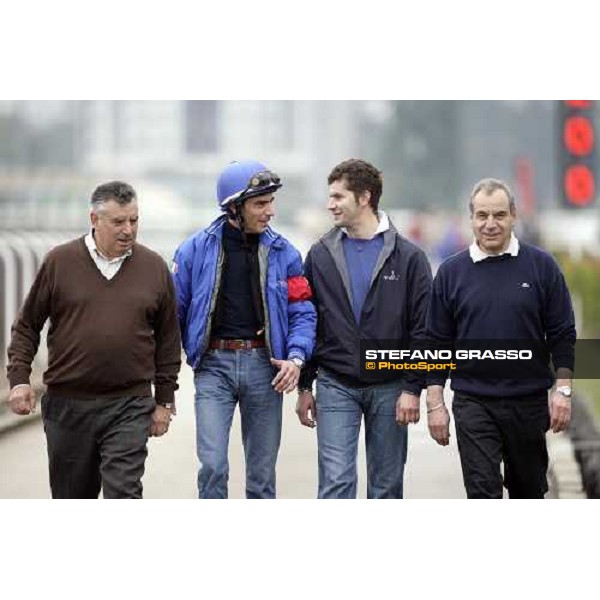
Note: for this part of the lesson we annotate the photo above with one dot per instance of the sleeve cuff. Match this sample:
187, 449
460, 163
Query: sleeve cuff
564, 362
18, 379
413, 388
307, 376
296, 353
164, 395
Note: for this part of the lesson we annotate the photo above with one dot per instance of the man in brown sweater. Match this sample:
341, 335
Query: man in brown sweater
113, 331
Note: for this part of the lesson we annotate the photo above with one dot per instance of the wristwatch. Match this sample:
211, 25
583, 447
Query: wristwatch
297, 361
565, 390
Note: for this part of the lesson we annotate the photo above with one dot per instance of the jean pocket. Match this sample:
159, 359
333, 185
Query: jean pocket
208, 356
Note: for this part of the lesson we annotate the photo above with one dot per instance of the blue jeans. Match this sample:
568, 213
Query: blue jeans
339, 414
224, 378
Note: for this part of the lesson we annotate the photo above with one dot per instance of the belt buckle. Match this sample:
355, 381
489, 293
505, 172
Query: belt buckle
239, 344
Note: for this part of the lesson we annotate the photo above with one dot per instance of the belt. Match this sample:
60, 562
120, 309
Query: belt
219, 344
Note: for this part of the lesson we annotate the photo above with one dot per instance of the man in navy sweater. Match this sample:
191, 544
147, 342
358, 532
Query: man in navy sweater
502, 289
368, 283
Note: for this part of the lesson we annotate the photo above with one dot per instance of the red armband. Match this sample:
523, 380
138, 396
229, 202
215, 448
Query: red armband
298, 289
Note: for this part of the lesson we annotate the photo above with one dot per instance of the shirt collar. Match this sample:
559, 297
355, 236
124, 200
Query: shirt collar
384, 224
90, 242
477, 254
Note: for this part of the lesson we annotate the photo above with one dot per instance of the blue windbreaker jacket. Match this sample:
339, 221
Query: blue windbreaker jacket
290, 325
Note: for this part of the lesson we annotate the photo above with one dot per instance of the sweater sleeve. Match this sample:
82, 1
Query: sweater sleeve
167, 357
559, 319
419, 284
441, 330
25, 338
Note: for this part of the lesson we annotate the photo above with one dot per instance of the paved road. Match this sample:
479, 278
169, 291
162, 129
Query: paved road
431, 471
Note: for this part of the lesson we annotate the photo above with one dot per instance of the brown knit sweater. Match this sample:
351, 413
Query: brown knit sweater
106, 337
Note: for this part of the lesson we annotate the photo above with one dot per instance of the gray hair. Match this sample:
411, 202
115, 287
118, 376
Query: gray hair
119, 191
488, 186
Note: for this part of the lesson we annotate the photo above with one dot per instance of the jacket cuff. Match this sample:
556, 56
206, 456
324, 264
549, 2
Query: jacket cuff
307, 376
296, 353
413, 388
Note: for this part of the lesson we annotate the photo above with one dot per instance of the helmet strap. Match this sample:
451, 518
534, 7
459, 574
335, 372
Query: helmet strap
236, 215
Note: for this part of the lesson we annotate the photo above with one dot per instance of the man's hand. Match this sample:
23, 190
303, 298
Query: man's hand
287, 378
438, 422
407, 409
306, 409
22, 400
161, 419
438, 419
560, 412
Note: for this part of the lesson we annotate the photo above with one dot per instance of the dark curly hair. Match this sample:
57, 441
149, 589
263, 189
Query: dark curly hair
360, 176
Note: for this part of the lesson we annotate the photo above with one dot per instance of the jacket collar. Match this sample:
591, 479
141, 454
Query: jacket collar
333, 241
382, 227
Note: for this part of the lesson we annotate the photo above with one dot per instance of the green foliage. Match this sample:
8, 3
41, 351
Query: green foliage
583, 279
589, 389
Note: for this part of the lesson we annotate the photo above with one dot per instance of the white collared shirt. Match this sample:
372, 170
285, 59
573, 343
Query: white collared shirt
109, 267
477, 254
384, 224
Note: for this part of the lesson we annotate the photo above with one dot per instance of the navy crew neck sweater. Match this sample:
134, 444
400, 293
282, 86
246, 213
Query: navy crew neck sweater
504, 298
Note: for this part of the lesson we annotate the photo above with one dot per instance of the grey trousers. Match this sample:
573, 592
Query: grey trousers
97, 443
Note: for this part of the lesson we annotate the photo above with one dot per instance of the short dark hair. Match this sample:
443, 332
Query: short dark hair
119, 191
360, 177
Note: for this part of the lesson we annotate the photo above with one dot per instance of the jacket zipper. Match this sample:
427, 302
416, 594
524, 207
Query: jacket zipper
263, 263
213, 300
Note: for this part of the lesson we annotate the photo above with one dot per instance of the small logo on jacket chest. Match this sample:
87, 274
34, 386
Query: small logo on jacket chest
392, 276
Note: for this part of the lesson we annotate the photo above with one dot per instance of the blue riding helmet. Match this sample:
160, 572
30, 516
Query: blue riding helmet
244, 179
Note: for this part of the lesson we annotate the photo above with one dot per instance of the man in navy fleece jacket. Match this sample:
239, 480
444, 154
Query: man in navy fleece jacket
368, 283
503, 289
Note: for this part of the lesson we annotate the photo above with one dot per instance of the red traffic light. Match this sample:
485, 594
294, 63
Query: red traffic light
578, 103
578, 135
577, 152
579, 185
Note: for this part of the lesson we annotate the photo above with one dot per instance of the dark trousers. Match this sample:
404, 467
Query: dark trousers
509, 430
97, 443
